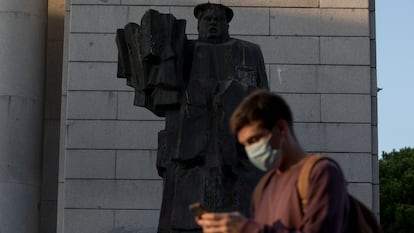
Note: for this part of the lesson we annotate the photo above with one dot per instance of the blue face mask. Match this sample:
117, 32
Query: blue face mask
261, 154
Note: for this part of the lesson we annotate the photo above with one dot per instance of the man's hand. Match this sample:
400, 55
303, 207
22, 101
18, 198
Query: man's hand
221, 222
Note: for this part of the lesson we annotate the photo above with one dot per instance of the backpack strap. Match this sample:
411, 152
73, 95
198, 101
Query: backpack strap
258, 191
303, 180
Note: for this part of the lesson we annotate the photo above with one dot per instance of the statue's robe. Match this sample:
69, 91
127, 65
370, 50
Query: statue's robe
196, 87
203, 161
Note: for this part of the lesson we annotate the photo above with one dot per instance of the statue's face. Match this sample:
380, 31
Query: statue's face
213, 26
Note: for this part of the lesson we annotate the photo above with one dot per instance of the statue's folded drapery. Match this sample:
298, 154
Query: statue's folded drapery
195, 85
151, 59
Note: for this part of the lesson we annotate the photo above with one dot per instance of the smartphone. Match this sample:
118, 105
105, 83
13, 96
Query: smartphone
197, 209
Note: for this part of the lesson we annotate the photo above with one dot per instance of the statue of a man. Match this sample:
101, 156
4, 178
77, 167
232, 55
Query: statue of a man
195, 85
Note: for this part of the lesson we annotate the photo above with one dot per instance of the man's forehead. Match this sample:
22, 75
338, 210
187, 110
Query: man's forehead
253, 127
252, 130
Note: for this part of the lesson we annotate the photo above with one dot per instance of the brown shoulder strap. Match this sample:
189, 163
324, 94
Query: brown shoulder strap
258, 191
303, 180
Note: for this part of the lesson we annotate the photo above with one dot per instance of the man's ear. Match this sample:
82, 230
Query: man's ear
282, 126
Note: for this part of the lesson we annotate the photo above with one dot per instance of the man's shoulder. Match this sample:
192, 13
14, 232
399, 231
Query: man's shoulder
327, 167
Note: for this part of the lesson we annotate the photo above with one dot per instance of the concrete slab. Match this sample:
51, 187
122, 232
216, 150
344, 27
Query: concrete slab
108, 134
93, 47
305, 107
287, 50
166, 2
90, 164
342, 79
350, 108
294, 78
250, 21
345, 50
135, 13
344, 4
271, 3
356, 166
362, 191
376, 198
19, 204
186, 13
136, 164
94, 2
113, 194
91, 221
325, 137
128, 111
98, 18
295, 21
92, 105
26, 34
344, 22
90, 76
136, 220
20, 133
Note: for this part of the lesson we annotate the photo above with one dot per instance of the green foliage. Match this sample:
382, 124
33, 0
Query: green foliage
396, 172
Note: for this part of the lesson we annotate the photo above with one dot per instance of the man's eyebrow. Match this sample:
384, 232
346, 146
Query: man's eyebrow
252, 138
256, 136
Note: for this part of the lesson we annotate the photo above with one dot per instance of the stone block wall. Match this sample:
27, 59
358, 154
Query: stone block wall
319, 55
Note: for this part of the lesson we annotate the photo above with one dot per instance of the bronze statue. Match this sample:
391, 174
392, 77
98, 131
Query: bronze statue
195, 85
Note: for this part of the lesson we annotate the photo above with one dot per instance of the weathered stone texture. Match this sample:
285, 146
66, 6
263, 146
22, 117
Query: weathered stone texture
334, 137
90, 76
287, 50
98, 18
353, 173
112, 134
92, 47
91, 221
363, 192
90, 164
92, 105
305, 107
344, 4
128, 112
318, 56
136, 164
345, 50
346, 108
113, 194
136, 220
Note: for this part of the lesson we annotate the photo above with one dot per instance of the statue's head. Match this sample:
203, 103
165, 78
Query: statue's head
213, 22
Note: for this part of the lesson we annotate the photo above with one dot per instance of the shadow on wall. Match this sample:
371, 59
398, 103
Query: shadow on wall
52, 112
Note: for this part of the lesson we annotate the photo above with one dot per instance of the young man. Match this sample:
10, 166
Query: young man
263, 124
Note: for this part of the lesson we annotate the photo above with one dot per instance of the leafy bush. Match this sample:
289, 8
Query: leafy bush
396, 172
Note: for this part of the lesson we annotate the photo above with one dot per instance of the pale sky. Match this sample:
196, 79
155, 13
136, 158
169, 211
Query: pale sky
395, 61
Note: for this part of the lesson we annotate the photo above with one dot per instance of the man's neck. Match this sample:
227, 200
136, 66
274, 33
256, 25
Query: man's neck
292, 154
